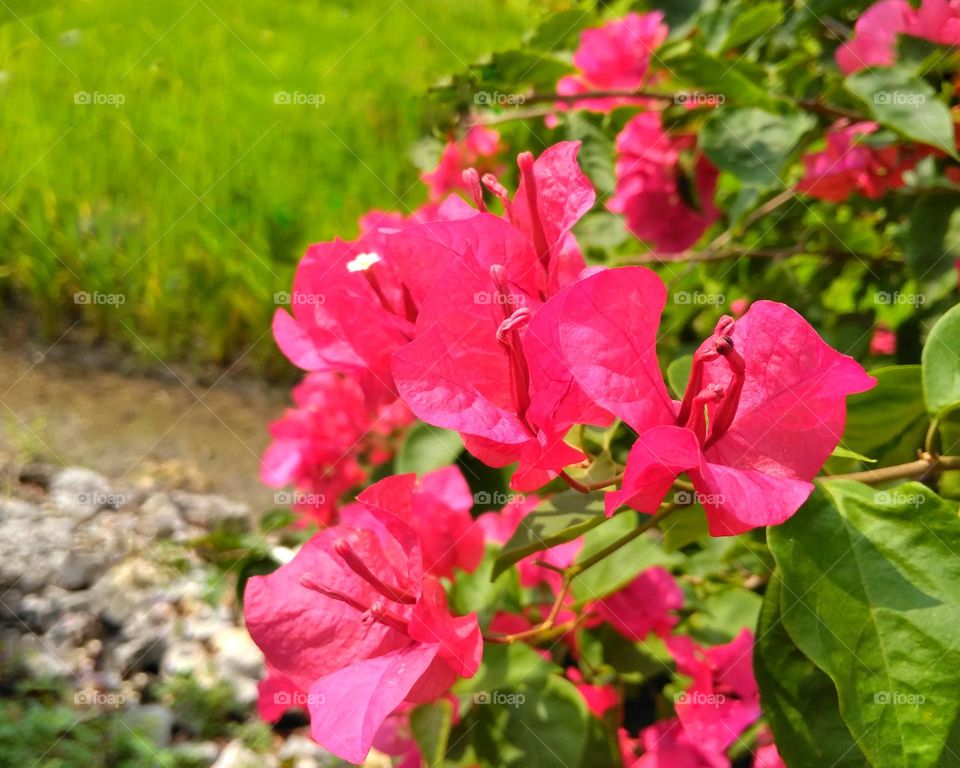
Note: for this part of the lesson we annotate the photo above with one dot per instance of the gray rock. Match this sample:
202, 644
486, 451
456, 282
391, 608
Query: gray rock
188, 658
237, 755
160, 518
196, 752
300, 748
237, 654
212, 511
79, 493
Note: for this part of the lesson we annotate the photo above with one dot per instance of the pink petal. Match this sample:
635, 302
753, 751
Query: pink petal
608, 331
654, 461
347, 707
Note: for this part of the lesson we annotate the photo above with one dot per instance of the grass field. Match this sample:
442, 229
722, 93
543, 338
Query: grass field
144, 156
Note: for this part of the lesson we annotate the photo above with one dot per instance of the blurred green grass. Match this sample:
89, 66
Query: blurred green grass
195, 197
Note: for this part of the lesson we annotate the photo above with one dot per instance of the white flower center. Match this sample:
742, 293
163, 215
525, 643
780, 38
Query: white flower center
362, 262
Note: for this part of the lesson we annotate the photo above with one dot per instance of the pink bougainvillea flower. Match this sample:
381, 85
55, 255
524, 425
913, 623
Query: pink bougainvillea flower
767, 756
484, 360
659, 205
722, 701
476, 144
848, 165
883, 341
356, 624
337, 280
614, 57
437, 506
319, 447
600, 699
739, 306
874, 43
764, 406
666, 744
646, 604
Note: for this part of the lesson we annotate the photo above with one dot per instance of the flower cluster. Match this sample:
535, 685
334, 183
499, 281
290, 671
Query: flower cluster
479, 314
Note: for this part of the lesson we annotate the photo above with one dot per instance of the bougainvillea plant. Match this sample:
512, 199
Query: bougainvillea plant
639, 443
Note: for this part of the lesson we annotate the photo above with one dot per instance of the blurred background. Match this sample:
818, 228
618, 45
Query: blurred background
163, 165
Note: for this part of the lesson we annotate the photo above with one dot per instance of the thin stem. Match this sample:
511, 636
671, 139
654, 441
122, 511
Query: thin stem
588, 487
549, 625
608, 550
931, 437
928, 464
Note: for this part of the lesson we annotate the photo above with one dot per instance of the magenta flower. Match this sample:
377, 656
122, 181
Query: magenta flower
599, 699
614, 57
646, 604
848, 164
437, 506
357, 626
336, 280
767, 756
484, 360
666, 744
764, 407
722, 701
874, 43
318, 446
648, 192
476, 144
883, 341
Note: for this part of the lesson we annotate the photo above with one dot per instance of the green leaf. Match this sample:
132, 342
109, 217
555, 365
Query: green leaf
845, 453
557, 520
478, 592
753, 144
799, 700
505, 667
620, 568
559, 30
906, 104
933, 237
678, 374
431, 724
739, 82
596, 150
888, 421
427, 448
871, 594
721, 616
941, 364
684, 526
532, 726
736, 23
